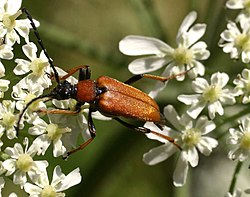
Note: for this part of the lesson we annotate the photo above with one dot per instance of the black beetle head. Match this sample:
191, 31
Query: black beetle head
64, 90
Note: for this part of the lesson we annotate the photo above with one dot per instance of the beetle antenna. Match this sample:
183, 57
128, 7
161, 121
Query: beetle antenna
40, 42
26, 107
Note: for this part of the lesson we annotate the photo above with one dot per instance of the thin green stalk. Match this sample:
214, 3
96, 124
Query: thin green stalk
235, 176
231, 119
146, 12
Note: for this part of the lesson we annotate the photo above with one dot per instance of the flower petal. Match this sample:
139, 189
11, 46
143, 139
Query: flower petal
158, 154
181, 170
147, 64
141, 45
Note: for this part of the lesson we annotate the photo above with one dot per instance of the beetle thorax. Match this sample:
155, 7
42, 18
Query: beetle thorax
64, 90
86, 91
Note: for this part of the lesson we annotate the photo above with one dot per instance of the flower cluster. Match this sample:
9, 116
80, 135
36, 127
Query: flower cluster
19, 162
192, 129
195, 132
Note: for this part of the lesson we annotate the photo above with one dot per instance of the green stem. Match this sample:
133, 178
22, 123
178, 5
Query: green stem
235, 175
146, 12
231, 119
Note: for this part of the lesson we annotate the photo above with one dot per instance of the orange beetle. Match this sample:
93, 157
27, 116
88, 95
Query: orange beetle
107, 95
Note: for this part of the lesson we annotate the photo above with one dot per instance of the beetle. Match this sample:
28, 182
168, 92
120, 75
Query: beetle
105, 94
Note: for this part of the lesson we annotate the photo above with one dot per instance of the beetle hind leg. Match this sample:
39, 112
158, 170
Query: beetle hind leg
146, 130
92, 131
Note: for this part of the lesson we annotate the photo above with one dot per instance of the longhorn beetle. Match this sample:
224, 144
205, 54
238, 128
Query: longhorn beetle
107, 95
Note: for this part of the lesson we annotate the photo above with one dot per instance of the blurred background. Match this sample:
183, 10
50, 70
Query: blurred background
88, 32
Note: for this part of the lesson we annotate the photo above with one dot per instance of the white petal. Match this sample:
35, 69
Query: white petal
172, 116
141, 45
10, 166
22, 27
23, 67
196, 109
158, 154
219, 79
187, 22
193, 157
32, 189
204, 125
58, 148
199, 51
193, 35
215, 107
206, 145
181, 170
199, 85
189, 99
12, 6
73, 178
19, 178
146, 64
227, 97
30, 50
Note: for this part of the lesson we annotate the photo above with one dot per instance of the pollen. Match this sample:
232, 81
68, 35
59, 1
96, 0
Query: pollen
54, 132
246, 4
245, 141
24, 162
8, 119
242, 41
38, 66
182, 56
9, 21
212, 93
191, 137
48, 191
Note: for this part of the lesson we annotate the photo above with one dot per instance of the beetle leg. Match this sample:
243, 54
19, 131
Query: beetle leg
57, 111
146, 130
92, 131
154, 77
82, 75
62, 111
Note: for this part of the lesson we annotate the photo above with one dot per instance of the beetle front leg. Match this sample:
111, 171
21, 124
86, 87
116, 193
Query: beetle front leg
146, 130
92, 131
82, 75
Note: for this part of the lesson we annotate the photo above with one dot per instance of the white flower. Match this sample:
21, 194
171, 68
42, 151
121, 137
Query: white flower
21, 163
213, 95
4, 86
236, 42
5, 53
190, 136
47, 134
187, 54
236, 193
240, 139
244, 6
59, 183
243, 86
7, 119
38, 66
10, 27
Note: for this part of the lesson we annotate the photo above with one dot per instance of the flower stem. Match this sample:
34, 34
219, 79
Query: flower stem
145, 10
235, 176
231, 119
